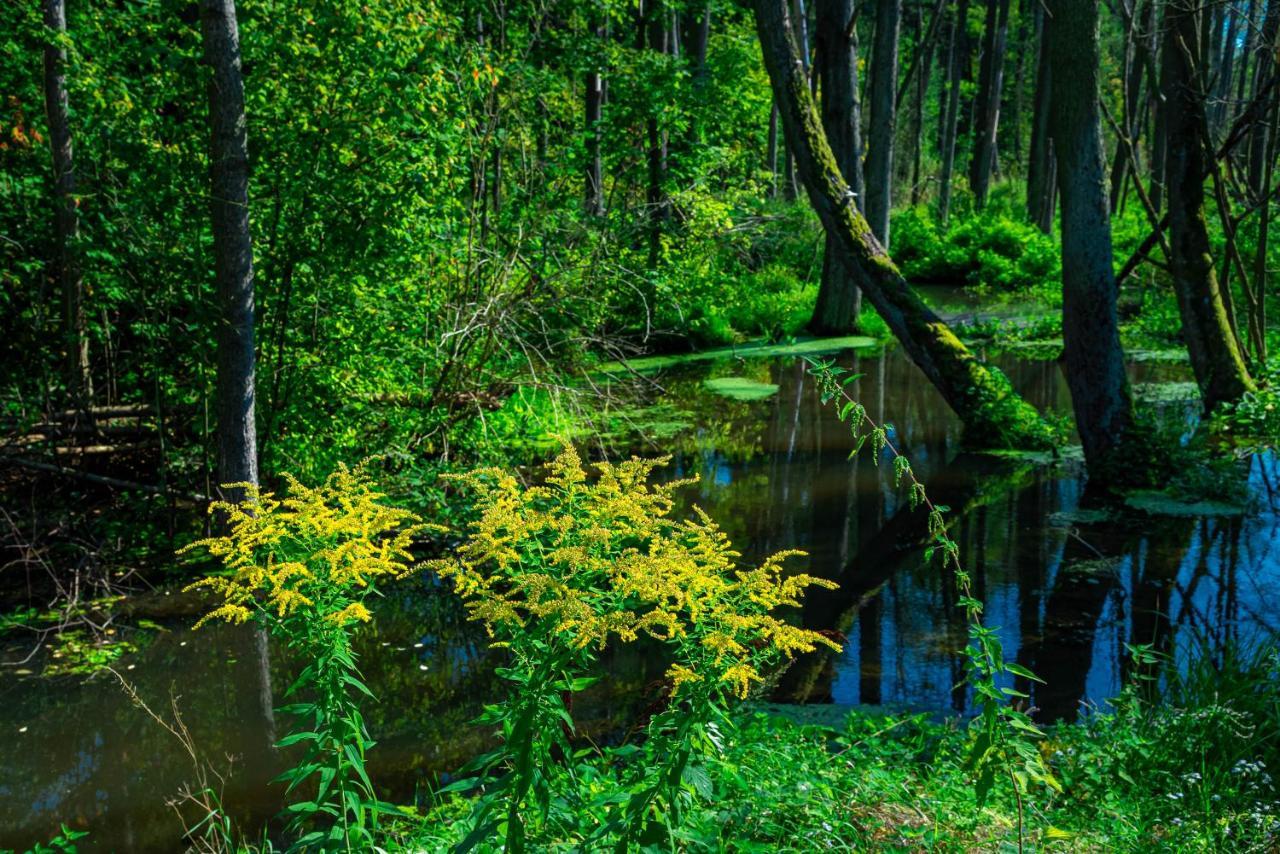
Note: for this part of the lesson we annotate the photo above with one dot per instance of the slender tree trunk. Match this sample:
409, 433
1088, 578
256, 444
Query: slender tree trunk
594, 184
656, 198
1215, 358
1258, 311
788, 174
990, 88
771, 151
1093, 359
232, 247
1135, 60
1020, 81
1159, 132
884, 86
958, 57
1250, 45
1222, 90
1264, 67
839, 299
1041, 184
74, 327
981, 396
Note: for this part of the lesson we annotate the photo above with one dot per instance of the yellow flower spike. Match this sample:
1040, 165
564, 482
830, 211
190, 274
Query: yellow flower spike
282, 554
355, 612
740, 677
681, 675
584, 560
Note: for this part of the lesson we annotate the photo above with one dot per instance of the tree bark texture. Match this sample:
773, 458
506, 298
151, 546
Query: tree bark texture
1040, 169
839, 299
990, 88
1093, 359
958, 57
74, 327
232, 247
884, 121
1216, 360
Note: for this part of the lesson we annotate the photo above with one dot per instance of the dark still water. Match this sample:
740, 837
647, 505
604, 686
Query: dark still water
1068, 584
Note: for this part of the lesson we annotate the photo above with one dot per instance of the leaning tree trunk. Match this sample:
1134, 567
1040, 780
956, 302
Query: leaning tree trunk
990, 86
232, 247
1093, 358
884, 118
991, 410
1216, 360
839, 299
1040, 170
74, 334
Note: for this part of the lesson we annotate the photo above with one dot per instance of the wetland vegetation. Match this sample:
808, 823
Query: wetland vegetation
673, 425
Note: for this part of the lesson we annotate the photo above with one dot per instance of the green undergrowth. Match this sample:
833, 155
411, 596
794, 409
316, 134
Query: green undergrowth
991, 249
1191, 773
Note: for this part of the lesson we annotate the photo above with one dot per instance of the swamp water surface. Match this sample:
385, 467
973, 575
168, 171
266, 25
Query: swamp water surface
1068, 586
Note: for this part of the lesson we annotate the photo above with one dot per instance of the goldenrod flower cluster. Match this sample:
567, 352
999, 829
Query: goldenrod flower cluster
594, 558
318, 549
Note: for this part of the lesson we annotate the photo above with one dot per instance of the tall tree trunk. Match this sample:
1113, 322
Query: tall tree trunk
884, 86
926, 45
1020, 80
594, 184
839, 299
1094, 361
1159, 132
1222, 89
1258, 312
232, 247
654, 20
1264, 67
74, 333
1219, 367
1041, 185
981, 396
990, 88
958, 58
1135, 63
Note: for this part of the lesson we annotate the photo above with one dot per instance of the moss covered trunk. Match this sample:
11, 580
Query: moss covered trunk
1215, 357
992, 412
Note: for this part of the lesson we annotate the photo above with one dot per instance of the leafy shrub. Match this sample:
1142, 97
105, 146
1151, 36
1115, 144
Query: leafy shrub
1255, 418
984, 248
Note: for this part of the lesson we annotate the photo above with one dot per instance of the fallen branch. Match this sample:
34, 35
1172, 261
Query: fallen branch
102, 480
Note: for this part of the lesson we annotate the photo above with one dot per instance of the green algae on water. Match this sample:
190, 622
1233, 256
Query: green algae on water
740, 388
